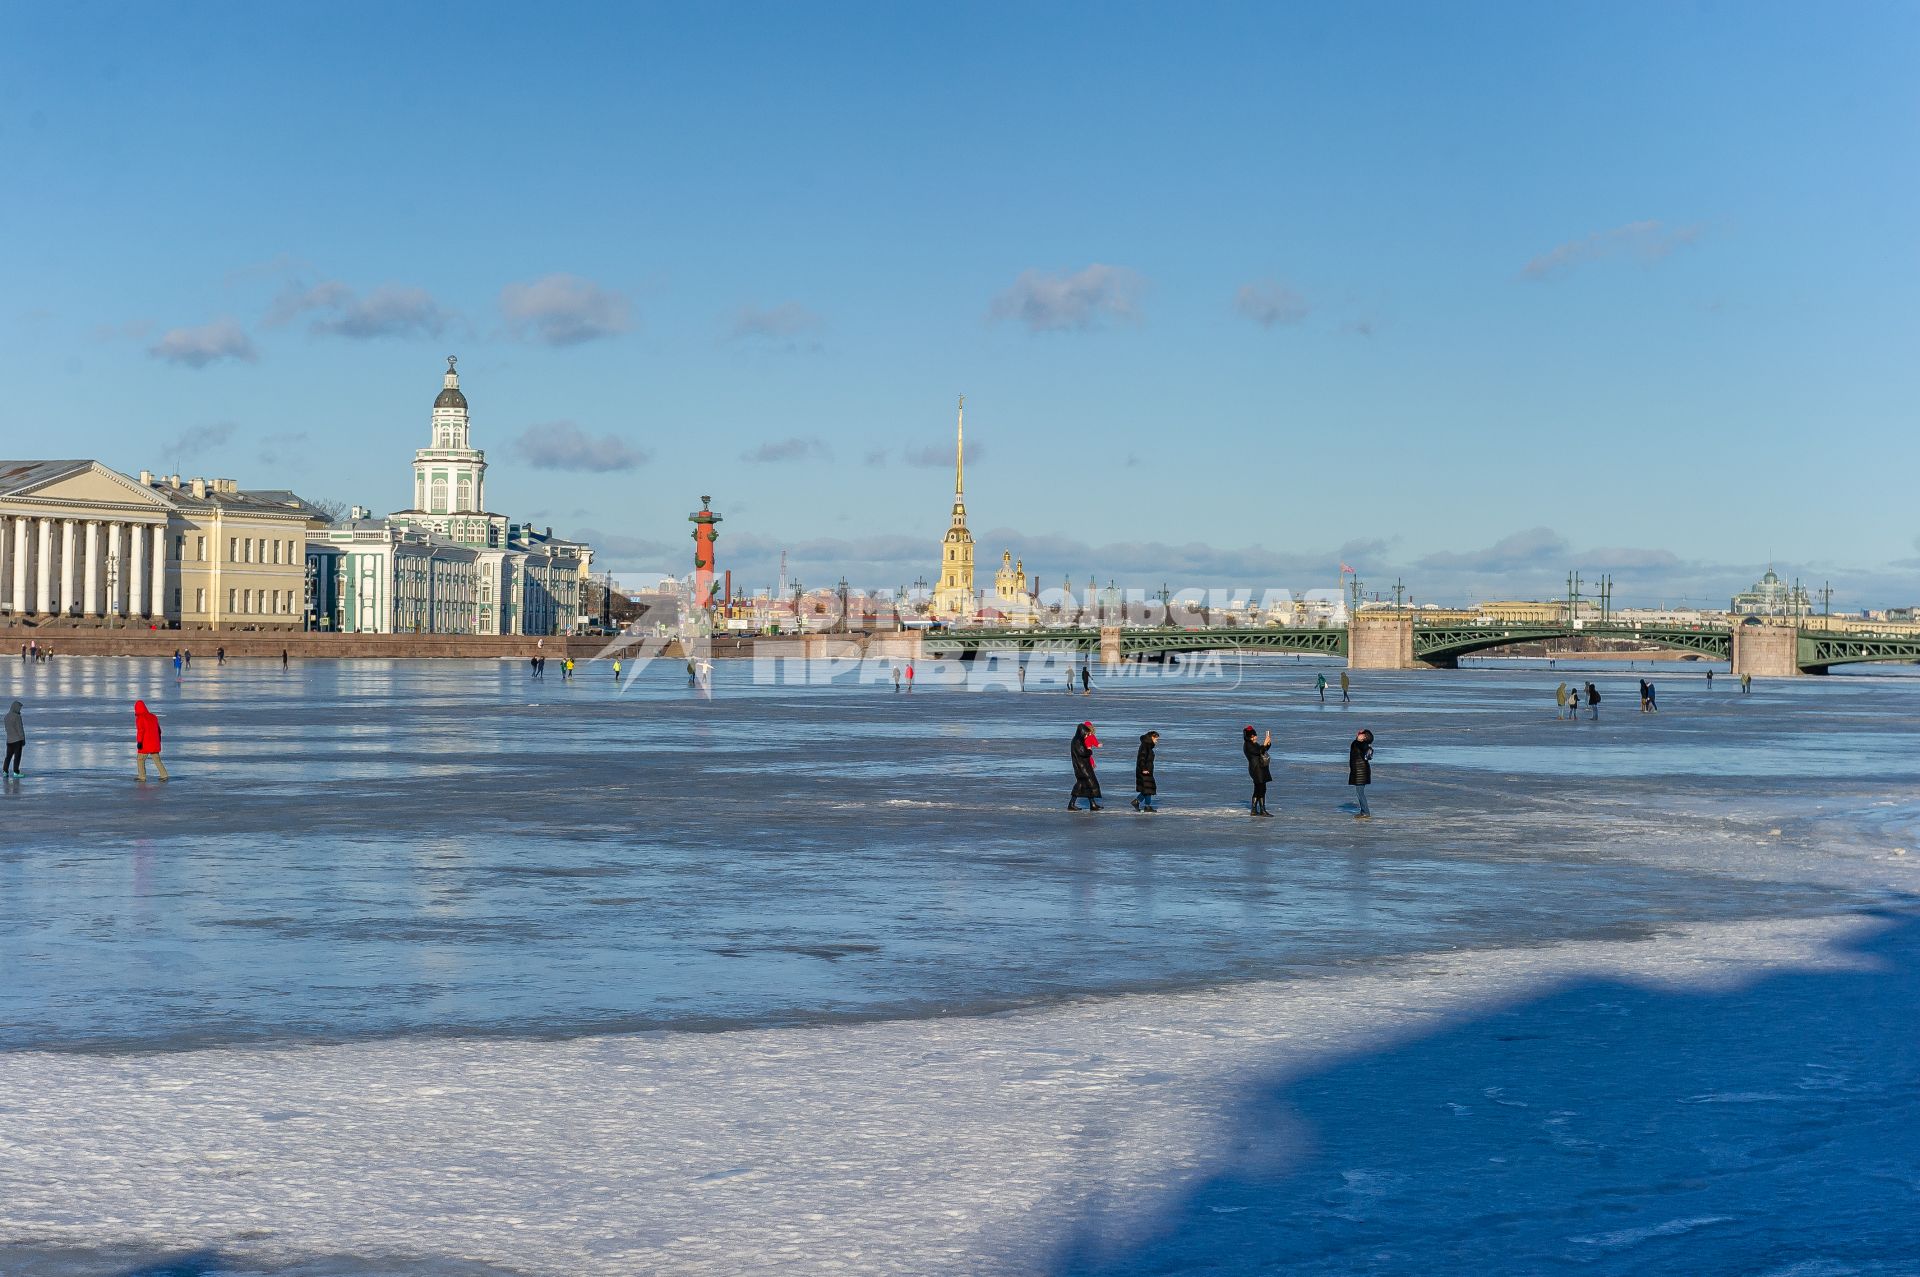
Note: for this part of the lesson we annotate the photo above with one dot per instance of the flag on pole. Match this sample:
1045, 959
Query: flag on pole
1345, 568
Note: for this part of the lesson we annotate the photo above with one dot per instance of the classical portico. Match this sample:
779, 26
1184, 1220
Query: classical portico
78, 540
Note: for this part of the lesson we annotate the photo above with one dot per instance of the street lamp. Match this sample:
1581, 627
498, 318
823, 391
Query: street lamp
113, 586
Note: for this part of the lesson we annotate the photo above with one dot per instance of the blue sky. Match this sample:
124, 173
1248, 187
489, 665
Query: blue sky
1467, 294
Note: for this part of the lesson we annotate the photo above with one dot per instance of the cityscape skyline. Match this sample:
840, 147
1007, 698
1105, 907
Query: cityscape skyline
1245, 314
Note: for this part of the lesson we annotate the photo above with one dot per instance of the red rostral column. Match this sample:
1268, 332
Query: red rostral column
704, 534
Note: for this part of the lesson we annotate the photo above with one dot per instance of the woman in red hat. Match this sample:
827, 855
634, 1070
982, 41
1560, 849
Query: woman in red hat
1085, 784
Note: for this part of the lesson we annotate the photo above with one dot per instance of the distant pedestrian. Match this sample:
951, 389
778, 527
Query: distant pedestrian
569, 670
1320, 686
533, 667
1560, 700
909, 678
1709, 680
896, 680
1259, 767
176, 660
187, 654
146, 740
1143, 787
16, 741
219, 656
1360, 770
283, 658
1746, 685
616, 669
1653, 698
1086, 679
1020, 672
1593, 701
1346, 689
1643, 696
1085, 784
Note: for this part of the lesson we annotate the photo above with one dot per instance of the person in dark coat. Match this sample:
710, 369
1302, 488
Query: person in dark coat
1144, 788
1593, 701
1258, 767
1085, 784
1360, 770
16, 742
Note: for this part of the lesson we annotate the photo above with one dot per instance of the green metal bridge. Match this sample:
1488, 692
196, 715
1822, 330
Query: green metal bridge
1439, 645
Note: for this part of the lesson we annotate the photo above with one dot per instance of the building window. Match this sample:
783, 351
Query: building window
233, 549
233, 600
200, 602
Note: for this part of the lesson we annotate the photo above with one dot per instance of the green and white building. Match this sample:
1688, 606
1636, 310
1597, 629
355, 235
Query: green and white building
447, 565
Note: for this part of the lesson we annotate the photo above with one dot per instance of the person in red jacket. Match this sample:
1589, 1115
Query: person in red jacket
146, 740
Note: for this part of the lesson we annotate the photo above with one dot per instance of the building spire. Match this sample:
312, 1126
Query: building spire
960, 447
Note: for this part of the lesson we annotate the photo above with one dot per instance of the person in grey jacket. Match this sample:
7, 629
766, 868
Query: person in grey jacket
16, 741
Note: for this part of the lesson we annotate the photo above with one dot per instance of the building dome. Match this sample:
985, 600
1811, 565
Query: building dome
1769, 579
450, 396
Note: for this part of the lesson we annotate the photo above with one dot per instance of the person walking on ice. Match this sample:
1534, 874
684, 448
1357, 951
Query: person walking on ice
1259, 768
1143, 786
616, 669
1360, 771
1560, 700
146, 740
1085, 784
16, 742
1320, 686
1346, 689
1593, 701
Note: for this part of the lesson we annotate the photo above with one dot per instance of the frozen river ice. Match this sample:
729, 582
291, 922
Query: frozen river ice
426, 880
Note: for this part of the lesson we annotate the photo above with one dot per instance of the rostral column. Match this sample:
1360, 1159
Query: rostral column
704, 534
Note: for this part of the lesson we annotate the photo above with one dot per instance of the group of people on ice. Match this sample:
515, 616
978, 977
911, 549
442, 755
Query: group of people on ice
1254, 746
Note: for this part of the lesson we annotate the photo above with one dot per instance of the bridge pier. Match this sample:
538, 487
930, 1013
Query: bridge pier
1110, 645
1381, 642
1766, 651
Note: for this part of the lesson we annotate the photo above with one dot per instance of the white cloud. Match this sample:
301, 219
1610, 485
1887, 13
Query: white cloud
1055, 301
783, 450
1649, 241
562, 445
391, 310
207, 344
564, 310
196, 440
785, 324
1270, 304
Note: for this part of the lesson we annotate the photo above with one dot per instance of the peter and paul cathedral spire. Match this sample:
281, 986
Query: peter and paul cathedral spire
955, 597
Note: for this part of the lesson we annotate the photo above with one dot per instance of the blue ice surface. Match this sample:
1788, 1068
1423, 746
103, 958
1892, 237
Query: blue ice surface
351, 850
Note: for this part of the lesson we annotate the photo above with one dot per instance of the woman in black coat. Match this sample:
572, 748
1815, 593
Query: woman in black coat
1085, 784
1144, 788
1360, 770
1258, 767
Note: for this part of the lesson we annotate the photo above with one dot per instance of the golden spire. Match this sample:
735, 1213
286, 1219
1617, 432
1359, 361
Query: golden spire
960, 447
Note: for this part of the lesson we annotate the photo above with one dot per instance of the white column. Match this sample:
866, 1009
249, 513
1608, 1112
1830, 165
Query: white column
43, 570
20, 565
118, 577
137, 583
90, 606
159, 602
68, 567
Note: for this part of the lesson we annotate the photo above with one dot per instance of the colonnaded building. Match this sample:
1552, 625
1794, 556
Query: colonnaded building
446, 564
84, 544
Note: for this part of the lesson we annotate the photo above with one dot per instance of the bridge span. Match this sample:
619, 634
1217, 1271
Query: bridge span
1403, 641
